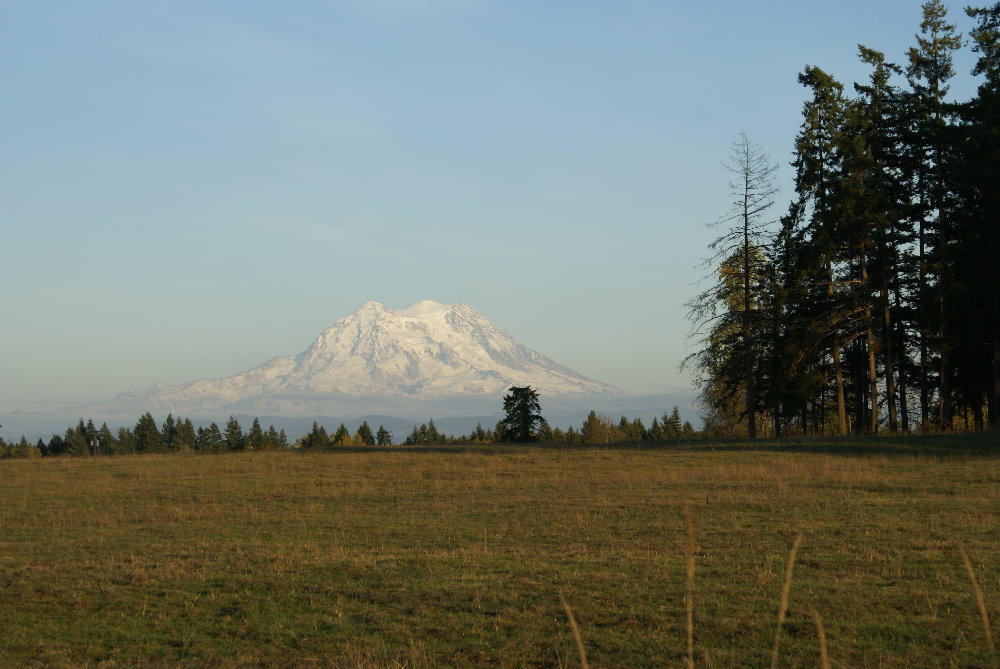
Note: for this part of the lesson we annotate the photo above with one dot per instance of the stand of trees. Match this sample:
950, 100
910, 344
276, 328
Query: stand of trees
874, 302
180, 435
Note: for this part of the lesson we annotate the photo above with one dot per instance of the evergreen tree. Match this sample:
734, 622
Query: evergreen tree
92, 437
672, 424
148, 438
342, 437
210, 439
76, 441
235, 441
598, 429
255, 436
522, 414
317, 437
126, 440
185, 438
107, 444
366, 435
974, 255
383, 437
729, 314
169, 431
929, 69
56, 445
273, 439
545, 434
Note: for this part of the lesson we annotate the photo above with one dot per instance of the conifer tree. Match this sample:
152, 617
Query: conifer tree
255, 436
342, 437
107, 444
367, 438
76, 440
169, 431
522, 414
730, 310
233, 435
148, 438
185, 437
975, 258
928, 72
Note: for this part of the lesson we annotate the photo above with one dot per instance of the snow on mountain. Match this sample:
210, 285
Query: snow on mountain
379, 359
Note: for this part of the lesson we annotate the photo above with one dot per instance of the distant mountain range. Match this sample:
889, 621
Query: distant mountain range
426, 357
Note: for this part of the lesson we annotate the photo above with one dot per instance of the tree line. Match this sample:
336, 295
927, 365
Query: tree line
873, 302
596, 429
174, 434
180, 435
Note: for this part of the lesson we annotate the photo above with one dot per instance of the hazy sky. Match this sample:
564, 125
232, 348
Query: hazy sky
189, 188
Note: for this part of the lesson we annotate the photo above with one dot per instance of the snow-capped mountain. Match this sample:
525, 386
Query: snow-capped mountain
378, 359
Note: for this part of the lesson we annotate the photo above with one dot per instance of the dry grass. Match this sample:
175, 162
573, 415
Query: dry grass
689, 594
423, 558
980, 601
786, 589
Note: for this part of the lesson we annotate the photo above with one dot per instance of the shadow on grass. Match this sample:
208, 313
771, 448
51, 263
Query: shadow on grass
984, 444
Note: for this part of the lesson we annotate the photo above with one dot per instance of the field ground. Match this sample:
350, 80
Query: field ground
457, 557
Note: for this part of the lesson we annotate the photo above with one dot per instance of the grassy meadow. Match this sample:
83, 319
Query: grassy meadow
458, 557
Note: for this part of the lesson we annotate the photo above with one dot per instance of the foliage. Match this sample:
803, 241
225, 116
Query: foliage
522, 415
853, 314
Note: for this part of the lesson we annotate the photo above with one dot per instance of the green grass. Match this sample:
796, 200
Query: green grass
458, 558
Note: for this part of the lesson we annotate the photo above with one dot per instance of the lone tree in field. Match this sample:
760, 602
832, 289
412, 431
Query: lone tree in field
523, 415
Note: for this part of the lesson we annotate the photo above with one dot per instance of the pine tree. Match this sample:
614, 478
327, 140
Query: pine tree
148, 438
975, 259
169, 431
210, 439
76, 440
522, 414
817, 165
233, 435
342, 437
928, 72
185, 438
126, 440
365, 433
383, 437
731, 308
255, 436
272, 439
107, 444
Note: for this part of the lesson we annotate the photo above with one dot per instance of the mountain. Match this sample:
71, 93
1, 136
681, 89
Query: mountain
425, 357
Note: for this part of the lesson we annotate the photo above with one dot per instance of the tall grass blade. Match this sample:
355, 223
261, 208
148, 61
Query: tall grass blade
783, 605
576, 632
824, 657
689, 597
980, 602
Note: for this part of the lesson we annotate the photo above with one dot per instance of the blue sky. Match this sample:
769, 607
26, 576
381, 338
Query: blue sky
189, 188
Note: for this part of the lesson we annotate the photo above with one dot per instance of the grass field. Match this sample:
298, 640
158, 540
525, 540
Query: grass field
422, 558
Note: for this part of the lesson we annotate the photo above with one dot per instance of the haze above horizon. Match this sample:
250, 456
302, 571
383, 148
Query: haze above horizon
193, 188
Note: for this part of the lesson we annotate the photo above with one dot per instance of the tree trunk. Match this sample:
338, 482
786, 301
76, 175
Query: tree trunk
946, 409
887, 335
870, 346
838, 375
925, 421
995, 395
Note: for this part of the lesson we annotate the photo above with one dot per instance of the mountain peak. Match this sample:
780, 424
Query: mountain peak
427, 351
424, 308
